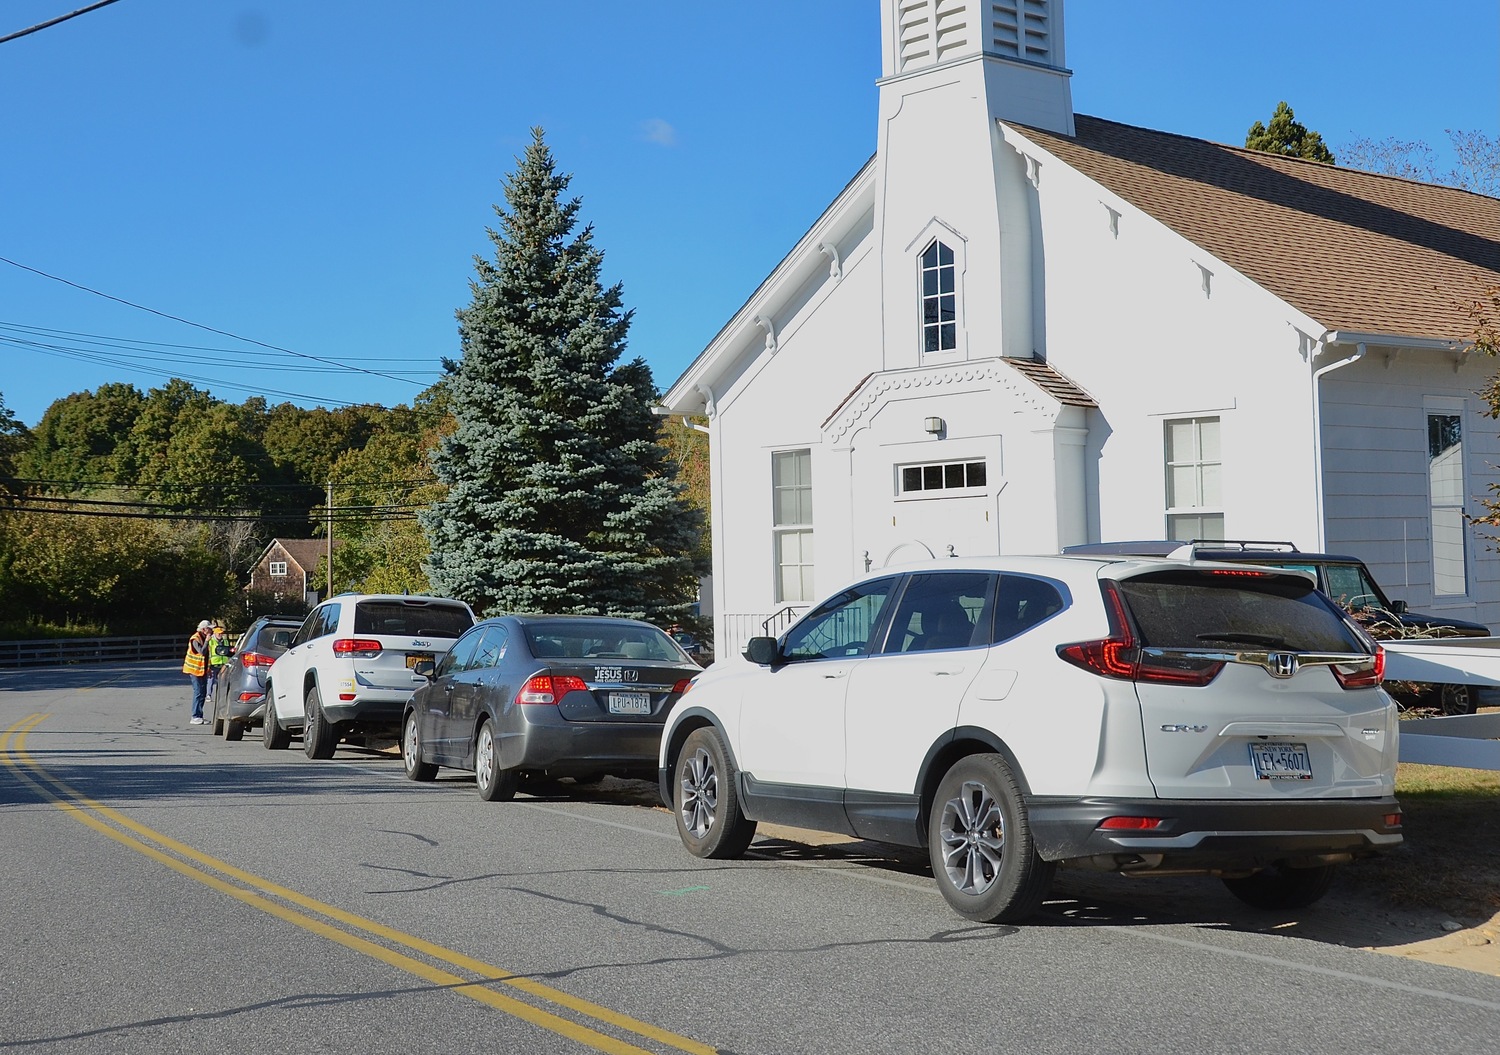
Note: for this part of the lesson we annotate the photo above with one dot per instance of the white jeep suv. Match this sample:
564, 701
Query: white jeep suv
349, 669
1011, 714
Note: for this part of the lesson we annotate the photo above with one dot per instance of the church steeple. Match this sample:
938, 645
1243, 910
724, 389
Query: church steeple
1020, 41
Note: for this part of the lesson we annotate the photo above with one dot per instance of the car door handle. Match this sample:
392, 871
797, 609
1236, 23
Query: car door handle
836, 674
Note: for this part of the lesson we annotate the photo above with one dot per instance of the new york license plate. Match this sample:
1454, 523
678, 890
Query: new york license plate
1281, 761
629, 703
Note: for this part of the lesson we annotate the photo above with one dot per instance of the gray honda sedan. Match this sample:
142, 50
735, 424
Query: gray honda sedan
540, 697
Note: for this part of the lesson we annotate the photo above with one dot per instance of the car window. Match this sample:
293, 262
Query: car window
266, 641
1350, 586
841, 625
309, 628
457, 658
1196, 609
411, 619
330, 621
491, 649
1021, 603
941, 611
601, 639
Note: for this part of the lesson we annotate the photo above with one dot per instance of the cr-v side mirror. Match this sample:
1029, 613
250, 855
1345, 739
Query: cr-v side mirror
762, 651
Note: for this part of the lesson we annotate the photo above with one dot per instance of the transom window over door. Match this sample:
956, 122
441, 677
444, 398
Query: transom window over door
939, 299
1445, 475
1195, 507
791, 517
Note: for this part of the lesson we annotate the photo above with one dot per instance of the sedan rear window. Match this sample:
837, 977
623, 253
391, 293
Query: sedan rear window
1206, 609
411, 619
601, 640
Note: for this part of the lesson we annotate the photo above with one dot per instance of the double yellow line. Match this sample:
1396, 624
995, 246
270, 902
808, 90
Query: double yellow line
258, 893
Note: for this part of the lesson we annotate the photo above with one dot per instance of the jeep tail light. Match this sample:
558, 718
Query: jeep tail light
549, 688
356, 648
1363, 677
1119, 656
255, 659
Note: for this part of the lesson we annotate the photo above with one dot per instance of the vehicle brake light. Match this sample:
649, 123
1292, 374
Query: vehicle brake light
1392, 820
357, 648
1241, 573
683, 686
1130, 824
1118, 656
1363, 678
549, 688
246, 697
255, 659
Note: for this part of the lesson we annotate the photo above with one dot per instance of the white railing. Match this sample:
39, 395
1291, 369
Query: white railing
736, 628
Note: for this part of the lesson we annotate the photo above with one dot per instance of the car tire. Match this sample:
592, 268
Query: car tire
1457, 699
495, 784
233, 730
277, 738
319, 736
1280, 887
216, 723
706, 801
980, 841
411, 752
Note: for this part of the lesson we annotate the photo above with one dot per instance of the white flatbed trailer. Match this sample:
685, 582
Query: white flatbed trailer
1471, 741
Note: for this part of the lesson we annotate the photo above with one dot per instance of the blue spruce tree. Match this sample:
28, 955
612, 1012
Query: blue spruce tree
559, 499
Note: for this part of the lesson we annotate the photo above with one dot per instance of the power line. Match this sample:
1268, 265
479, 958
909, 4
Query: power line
217, 486
54, 21
209, 329
134, 342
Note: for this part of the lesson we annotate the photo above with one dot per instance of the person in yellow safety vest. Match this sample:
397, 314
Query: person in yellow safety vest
220, 649
195, 666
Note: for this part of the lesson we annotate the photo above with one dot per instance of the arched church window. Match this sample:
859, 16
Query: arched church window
939, 299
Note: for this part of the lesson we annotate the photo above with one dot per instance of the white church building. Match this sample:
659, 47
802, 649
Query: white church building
1019, 328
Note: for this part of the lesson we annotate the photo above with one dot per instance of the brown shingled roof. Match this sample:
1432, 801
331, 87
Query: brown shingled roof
1051, 382
1356, 251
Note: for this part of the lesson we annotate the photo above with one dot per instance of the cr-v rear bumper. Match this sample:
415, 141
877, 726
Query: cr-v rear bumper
1214, 832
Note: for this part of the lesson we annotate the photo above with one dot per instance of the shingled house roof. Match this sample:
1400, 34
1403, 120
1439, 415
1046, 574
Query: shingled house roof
307, 552
1356, 251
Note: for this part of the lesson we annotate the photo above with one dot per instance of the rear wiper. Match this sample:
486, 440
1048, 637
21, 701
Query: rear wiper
1239, 638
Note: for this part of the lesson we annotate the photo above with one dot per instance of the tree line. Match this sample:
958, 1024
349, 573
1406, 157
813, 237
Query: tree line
533, 477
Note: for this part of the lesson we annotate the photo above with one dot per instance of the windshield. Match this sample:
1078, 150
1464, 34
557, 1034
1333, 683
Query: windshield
1201, 609
604, 639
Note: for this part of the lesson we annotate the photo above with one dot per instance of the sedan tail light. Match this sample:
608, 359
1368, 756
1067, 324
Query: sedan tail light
549, 688
683, 686
356, 648
1119, 655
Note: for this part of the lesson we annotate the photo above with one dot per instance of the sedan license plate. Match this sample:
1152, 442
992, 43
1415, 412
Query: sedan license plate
413, 658
629, 703
1281, 761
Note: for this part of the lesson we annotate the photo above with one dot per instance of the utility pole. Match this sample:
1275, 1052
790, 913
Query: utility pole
328, 508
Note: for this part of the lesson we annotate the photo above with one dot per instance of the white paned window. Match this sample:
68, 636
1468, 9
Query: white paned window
278, 569
939, 299
1195, 507
935, 479
792, 518
1445, 479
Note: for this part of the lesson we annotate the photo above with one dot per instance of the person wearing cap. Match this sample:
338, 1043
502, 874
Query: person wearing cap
220, 648
195, 666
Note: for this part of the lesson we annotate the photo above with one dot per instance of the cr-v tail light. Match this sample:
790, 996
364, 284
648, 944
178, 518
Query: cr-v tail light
1363, 677
1120, 656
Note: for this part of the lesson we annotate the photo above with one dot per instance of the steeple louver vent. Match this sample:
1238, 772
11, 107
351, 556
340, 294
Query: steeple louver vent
1020, 29
930, 31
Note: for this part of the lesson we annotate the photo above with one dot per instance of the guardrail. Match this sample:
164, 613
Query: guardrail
66, 650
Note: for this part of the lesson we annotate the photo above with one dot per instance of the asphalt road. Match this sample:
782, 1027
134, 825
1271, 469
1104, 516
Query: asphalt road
162, 890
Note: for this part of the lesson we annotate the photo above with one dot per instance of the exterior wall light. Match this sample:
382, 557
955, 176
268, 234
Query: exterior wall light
935, 426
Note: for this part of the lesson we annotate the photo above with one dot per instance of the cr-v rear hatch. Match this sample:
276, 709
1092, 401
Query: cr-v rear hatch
1251, 684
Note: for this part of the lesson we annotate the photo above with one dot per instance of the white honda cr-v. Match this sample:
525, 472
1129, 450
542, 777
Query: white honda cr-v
1011, 714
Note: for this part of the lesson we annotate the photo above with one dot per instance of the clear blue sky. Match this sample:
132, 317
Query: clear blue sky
317, 174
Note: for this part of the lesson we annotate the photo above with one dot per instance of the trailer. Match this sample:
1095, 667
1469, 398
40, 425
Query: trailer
1467, 665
